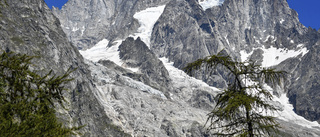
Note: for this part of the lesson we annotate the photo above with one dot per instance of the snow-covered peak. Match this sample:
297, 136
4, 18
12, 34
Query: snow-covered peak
206, 4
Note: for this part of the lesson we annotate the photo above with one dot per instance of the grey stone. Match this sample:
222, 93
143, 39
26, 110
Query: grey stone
109, 98
88, 22
29, 27
135, 53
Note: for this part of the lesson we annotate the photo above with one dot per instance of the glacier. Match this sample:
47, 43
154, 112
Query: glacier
147, 18
272, 56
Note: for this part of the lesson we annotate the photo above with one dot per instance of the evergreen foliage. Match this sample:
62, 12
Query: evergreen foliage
3, 3
27, 100
243, 108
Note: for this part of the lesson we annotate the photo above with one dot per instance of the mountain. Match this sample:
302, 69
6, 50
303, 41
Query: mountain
29, 27
266, 31
128, 81
88, 22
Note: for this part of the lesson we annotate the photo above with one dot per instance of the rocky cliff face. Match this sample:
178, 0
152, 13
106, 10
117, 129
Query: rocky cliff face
267, 31
178, 35
136, 54
142, 92
234, 25
29, 27
246, 29
88, 22
304, 89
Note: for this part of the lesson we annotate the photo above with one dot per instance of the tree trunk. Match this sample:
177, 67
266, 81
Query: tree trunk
249, 123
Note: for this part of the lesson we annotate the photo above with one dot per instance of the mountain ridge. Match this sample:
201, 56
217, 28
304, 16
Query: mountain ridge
240, 27
118, 99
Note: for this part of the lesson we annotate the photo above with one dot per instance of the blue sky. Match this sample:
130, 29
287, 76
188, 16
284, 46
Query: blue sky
308, 10
55, 3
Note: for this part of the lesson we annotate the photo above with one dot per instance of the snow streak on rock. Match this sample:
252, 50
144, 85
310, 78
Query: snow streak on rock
287, 113
181, 79
274, 56
206, 4
147, 18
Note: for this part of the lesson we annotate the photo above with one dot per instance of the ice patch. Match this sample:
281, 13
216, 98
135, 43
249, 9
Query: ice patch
206, 4
101, 51
226, 37
147, 18
300, 45
244, 55
82, 30
291, 41
274, 56
287, 114
75, 29
269, 36
181, 79
133, 69
141, 86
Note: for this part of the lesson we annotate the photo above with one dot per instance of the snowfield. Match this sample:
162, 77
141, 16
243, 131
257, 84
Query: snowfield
274, 56
101, 51
147, 18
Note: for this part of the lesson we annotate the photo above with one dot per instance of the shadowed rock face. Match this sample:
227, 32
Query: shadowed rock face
178, 35
29, 27
136, 54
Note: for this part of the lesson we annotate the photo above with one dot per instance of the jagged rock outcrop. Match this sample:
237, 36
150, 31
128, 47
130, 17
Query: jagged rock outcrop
178, 35
234, 25
184, 33
136, 54
88, 22
29, 27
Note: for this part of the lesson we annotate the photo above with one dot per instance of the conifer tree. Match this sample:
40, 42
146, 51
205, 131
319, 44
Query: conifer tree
27, 100
241, 109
